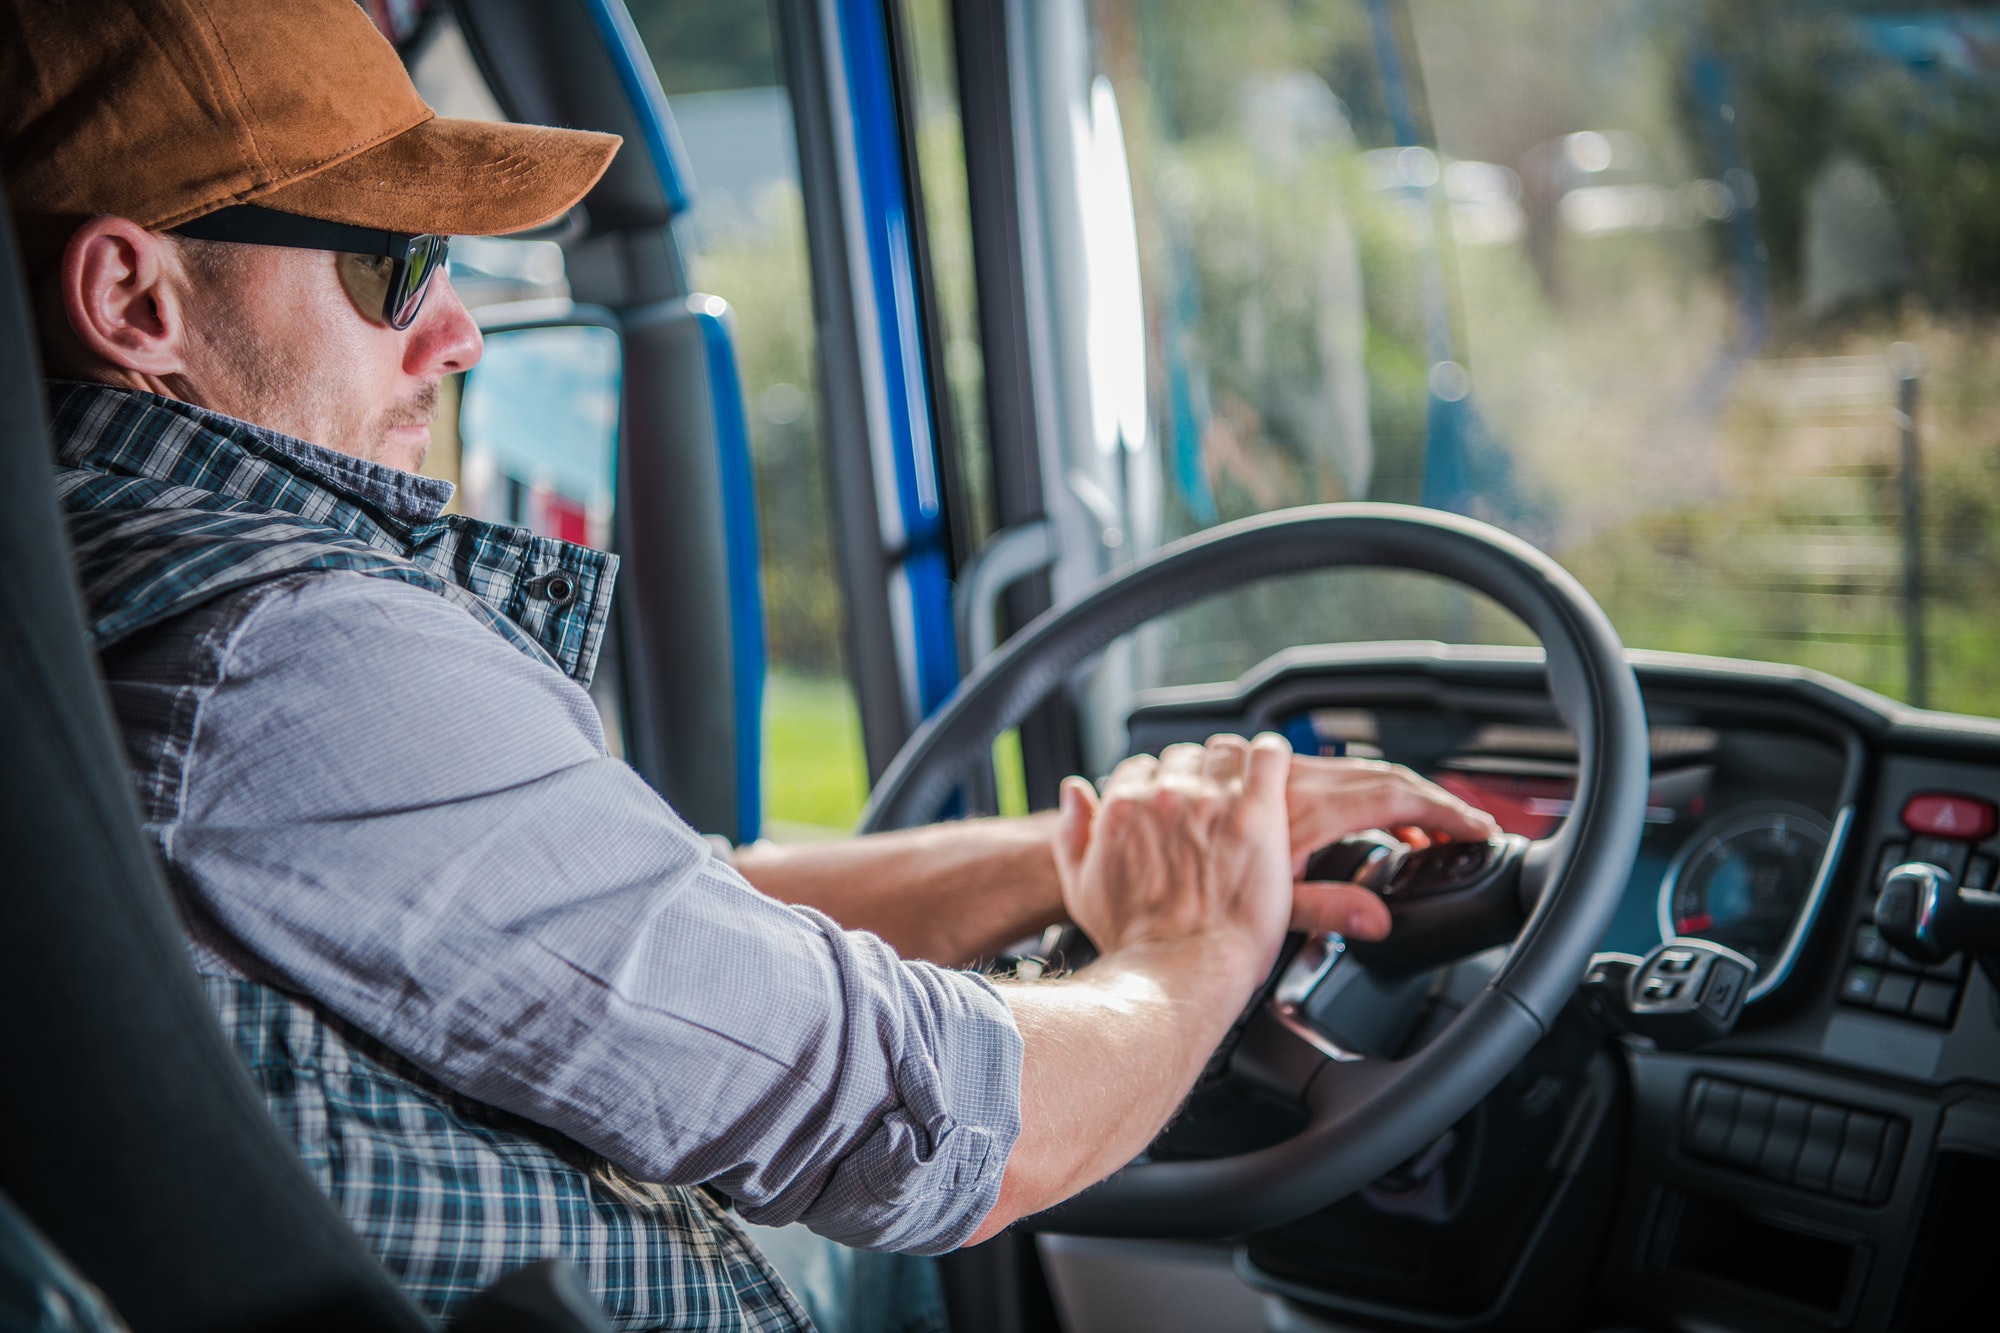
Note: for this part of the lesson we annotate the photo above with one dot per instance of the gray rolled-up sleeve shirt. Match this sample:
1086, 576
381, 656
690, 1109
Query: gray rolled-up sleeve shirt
387, 807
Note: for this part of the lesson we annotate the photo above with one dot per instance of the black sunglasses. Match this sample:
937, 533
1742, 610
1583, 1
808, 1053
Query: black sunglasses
392, 271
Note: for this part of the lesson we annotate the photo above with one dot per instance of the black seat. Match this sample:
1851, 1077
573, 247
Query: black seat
129, 1134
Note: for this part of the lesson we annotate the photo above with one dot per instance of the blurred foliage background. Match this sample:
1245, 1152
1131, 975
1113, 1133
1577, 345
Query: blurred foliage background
1646, 290
1687, 256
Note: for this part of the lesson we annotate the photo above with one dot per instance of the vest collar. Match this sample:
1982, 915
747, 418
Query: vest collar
171, 504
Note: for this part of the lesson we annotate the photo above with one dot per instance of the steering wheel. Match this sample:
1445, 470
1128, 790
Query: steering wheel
1553, 898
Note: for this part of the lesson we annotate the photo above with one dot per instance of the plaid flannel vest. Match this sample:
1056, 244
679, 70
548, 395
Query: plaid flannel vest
170, 506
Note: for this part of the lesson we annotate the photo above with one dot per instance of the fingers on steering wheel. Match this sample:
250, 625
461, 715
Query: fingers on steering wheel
1226, 757
1133, 775
1078, 801
1181, 765
1438, 810
1270, 767
1404, 798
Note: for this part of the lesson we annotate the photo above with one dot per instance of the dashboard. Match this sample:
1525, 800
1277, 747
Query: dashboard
1830, 1163
1750, 804
1743, 826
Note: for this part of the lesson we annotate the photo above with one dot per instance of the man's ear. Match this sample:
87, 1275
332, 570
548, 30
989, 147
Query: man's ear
123, 291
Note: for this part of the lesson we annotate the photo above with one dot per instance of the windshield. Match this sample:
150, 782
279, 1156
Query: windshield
1700, 298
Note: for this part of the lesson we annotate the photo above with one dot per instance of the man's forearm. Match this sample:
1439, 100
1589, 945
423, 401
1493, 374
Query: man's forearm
949, 894
1109, 1055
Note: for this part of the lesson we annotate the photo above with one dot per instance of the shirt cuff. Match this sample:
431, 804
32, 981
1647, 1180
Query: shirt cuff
925, 1178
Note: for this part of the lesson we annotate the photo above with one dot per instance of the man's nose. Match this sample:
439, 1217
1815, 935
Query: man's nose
445, 339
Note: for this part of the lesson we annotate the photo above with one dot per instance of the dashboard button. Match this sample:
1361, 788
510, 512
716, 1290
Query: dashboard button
1753, 1121
1902, 962
1893, 855
1858, 986
1711, 1113
1947, 854
1933, 1001
1860, 1153
1951, 969
1894, 994
1945, 815
1788, 1135
1725, 987
1869, 946
1888, 1160
1978, 874
1826, 1128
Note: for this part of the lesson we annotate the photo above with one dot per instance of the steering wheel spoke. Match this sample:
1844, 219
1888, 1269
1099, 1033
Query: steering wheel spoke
1281, 1051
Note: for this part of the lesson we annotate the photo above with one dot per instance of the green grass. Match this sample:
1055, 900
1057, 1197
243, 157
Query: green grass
1010, 779
815, 772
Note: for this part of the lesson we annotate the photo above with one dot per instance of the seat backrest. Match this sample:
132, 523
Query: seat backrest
129, 1133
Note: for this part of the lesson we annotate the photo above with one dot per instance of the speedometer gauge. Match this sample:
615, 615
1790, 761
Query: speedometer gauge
1743, 877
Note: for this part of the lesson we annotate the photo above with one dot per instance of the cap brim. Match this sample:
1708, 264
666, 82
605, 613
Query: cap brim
454, 177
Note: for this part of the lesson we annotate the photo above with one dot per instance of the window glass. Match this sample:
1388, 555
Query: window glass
1701, 298
538, 432
745, 241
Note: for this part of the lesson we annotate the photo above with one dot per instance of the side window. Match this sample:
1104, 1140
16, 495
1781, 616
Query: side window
745, 241
538, 431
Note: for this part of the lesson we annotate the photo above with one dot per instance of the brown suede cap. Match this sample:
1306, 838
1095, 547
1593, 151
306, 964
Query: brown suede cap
162, 110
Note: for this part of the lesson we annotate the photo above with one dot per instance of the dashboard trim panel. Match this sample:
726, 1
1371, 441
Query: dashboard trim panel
1836, 844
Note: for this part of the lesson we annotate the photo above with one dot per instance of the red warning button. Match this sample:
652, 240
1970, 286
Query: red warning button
1943, 815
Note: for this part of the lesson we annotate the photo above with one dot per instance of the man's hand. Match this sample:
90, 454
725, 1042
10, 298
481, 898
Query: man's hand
1181, 875
1325, 800
1328, 799
1189, 846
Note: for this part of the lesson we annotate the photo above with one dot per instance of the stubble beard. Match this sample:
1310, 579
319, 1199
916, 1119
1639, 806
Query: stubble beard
418, 409
305, 397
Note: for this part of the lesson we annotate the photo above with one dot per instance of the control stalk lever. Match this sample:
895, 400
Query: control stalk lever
1685, 993
1929, 917
1447, 901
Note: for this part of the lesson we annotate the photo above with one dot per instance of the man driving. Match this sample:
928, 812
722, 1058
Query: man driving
505, 1001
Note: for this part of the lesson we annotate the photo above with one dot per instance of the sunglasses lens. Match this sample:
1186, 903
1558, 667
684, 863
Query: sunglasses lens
390, 289
367, 279
425, 257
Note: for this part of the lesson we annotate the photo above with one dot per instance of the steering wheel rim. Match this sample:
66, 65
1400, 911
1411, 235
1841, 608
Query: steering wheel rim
1362, 1117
